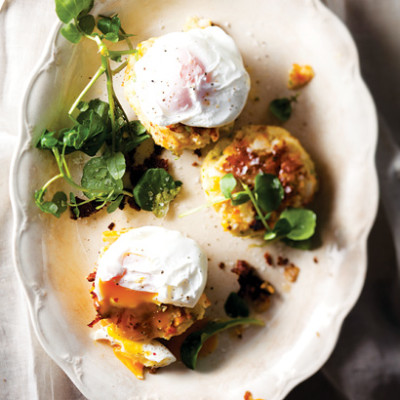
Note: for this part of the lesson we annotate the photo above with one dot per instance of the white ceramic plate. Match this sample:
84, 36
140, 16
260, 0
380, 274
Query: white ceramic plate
336, 122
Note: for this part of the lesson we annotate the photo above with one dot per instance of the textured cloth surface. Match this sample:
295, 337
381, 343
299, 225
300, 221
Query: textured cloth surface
366, 361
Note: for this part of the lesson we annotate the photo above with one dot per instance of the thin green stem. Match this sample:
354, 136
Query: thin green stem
96, 76
81, 203
64, 161
118, 53
126, 38
111, 95
126, 193
119, 68
258, 211
50, 181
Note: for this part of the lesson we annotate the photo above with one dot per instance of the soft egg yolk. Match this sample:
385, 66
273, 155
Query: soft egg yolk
128, 352
116, 295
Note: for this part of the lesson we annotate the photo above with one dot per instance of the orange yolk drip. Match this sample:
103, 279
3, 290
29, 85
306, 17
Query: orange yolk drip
118, 296
135, 366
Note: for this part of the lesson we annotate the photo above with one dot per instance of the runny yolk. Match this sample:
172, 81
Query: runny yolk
135, 366
118, 296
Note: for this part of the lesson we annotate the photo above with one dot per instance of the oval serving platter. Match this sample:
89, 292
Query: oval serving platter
336, 122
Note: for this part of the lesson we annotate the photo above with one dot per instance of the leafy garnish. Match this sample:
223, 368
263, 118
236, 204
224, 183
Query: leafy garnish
68, 10
193, 343
227, 185
268, 192
100, 129
56, 206
302, 223
282, 108
155, 190
235, 306
99, 180
296, 224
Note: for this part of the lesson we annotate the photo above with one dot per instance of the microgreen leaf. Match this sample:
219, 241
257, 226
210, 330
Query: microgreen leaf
47, 140
113, 37
87, 23
162, 200
227, 185
70, 9
268, 192
56, 206
302, 223
115, 204
109, 25
193, 343
74, 204
235, 306
281, 108
155, 190
116, 165
240, 198
92, 129
71, 33
98, 180
282, 228
131, 135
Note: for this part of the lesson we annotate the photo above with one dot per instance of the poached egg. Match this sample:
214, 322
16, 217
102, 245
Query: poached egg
151, 264
196, 78
149, 284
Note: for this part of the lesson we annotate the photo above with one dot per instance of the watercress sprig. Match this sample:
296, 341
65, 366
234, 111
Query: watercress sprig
100, 129
295, 224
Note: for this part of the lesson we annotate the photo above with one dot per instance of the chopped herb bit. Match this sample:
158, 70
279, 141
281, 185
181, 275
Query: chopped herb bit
282, 108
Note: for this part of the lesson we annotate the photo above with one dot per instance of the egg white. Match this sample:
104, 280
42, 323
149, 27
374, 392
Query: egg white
196, 78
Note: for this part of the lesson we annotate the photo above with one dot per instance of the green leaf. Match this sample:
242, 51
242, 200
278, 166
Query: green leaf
71, 33
70, 9
92, 129
87, 23
130, 135
302, 221
193, 343
161, 204
112, 37
47, 140
268, 191
282, 228
240, 198
109, 25
116, 165
155, 190
56, 206
83, 106
115, 204
281, 108
235, 306
227, 185
74, 204
97, 179
60, 200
